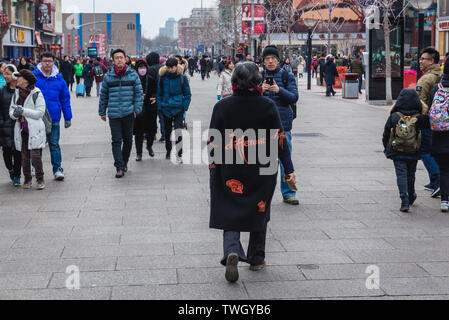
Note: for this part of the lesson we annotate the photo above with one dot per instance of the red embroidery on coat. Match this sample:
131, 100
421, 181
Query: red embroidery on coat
235, 186
212, 166
281, 136
240, 144
262, 206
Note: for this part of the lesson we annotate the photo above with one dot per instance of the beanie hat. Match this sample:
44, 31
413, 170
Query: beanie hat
28, 76
271, 51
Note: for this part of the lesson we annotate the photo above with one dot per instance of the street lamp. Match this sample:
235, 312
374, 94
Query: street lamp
420, 5
310, 23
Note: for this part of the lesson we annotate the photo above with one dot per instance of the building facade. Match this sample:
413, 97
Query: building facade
170, 30
48, 25
105, 31
442, 38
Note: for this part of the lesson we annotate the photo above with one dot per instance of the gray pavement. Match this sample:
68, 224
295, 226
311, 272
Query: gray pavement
147, 236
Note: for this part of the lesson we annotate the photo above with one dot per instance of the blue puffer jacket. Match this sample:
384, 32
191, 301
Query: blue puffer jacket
121, 96
56, 93
174, 99
285, 97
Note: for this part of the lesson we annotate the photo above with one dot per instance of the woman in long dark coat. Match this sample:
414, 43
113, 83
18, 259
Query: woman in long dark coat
241, 194
331, 72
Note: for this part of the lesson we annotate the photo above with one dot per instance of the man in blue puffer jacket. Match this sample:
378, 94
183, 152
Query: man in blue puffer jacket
122, 97
57, 98
284, 96
173, 100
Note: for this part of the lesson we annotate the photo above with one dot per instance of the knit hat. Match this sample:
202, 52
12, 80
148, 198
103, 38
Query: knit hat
28, 76
271, 51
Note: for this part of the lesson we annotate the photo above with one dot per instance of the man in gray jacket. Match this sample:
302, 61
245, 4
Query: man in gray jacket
122, 98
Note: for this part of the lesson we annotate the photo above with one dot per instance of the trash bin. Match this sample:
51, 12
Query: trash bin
350, 85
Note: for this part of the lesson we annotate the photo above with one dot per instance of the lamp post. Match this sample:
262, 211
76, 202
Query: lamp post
310, 23
420, 5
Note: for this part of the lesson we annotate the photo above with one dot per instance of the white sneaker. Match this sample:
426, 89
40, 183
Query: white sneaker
445, 206
179, 160
33, 171
59, 176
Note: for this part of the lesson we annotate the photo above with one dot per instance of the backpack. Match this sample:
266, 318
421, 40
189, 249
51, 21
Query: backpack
406, 138
285, 82
46, 118
89, 73
99, 71
439, 117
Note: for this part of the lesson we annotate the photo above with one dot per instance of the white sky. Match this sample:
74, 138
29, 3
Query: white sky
154, 13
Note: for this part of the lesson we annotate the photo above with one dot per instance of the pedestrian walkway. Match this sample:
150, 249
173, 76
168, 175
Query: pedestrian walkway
147, 237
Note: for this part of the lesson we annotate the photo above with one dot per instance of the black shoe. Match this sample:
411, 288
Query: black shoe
167, 156
120, 174
126, 169
333, 94
412, 199
257, 267
139, 158
430, 187
151, 152
292, 201
162, 140
405, 209
232, 272
436, 193
360, 92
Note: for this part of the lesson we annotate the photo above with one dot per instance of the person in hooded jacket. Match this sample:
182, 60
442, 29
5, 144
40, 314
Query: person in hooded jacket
67, 70
99, 71
408, 104
11, 156
330, 72
440, 145
88, 76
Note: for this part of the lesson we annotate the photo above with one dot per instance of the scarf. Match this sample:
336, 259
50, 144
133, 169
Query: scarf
23, 95
256, 89
120, 73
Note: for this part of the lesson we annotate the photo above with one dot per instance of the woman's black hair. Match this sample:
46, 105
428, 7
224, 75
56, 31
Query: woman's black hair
226, 65
10, 68
246, 76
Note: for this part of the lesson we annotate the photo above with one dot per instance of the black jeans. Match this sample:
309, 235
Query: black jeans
78, 80
443, 163
329, 90
122, 134
256, 247
405, 173
13, 160
147, 124
322, 78
88, 91
173, 123
203, 74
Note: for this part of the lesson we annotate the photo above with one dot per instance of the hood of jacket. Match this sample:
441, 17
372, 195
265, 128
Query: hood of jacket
54, 72
163, 71
434, 69
408, 103
153, 59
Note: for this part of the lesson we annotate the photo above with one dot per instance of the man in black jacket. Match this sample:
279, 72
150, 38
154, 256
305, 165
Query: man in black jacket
203, 64
67, 70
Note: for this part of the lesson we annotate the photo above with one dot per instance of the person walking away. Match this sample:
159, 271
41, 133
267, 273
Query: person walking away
191, 62
402, 142
321, 64
100, 71
11, 156
224, 81
121, 97
287, 67
295, 65
439, 119
208, 67
240, 195
357, 67
203, 67
67, 70
57, 100
281, 88
27, 110
429, 65
330, 73
315, 65
173, 100
2, 78
88, 77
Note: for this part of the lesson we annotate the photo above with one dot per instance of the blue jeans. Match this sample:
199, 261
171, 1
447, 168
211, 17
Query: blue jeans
405, 174
287, 192
360, 83
55, 150
429, 162
161, 123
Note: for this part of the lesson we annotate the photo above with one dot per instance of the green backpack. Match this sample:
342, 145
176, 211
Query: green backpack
406, 138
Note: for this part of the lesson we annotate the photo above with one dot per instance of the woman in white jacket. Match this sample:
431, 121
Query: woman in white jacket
28, 108
224, 88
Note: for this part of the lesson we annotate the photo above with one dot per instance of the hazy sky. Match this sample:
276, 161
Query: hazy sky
154, 12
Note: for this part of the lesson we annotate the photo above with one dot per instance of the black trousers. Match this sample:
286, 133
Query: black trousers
443, 163
256, 247
122, 140
78, 79
203, 74
405, 174
175, 123
322, 78
145, 125
13, 160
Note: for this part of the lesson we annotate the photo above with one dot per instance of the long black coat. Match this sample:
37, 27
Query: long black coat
330, 71
6, 123
240, 196
67, 70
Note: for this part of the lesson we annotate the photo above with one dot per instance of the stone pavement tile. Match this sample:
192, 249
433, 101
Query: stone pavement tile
216, 275
77, 251
6, 243
42, 253
44, 232
14, 223
68, 241
189, 211
217, 247
20, 281
312, 245
358, 271
50, 222
130, 238
313, 225
193, 204
302, 235
33, 265
301, 258
419, 243
118, 278
409, 255
104, 204
416, 286
140, 220
438, 269
168, 262
345, 233
57, 294
350, 215
105, 214
215, 291
309, 289
132, 230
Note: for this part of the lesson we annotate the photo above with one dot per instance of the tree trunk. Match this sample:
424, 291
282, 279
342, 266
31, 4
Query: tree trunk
389, 96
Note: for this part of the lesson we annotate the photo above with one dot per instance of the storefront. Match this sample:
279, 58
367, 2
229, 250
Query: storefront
443, 35
48, 42
18, 42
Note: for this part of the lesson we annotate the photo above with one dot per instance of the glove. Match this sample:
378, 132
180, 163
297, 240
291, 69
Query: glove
18, 112
68, 124
219, 97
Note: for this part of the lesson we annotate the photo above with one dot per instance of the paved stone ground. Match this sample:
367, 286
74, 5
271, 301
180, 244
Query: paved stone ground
147, 236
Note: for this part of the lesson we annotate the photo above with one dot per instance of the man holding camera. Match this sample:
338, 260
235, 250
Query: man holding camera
280, 86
